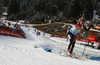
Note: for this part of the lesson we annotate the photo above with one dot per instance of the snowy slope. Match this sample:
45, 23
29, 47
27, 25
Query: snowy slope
79, 47
16, 51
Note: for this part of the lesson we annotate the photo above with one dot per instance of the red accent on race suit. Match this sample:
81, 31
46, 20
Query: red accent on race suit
78, 26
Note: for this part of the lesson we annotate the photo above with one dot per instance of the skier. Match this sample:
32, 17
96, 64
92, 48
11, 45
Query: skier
73, 32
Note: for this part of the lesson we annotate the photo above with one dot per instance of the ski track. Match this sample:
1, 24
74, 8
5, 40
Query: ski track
12, 54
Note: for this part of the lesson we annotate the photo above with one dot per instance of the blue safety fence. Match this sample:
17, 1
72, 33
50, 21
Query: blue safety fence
95, 58
47, 49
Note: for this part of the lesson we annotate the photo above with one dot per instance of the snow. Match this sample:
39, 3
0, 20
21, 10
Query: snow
21, 21
30, 51
5, 13
94, 15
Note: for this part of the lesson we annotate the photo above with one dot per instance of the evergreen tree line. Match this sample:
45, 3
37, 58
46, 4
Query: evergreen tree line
44, 10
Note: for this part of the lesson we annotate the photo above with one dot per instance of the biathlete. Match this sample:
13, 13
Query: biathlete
73, 32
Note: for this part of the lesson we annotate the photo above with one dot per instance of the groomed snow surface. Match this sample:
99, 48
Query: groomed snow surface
30, 51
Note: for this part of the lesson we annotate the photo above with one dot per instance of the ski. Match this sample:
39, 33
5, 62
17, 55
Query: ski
65, 54
72, 57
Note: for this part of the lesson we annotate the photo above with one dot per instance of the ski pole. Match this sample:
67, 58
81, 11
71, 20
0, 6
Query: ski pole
84, 49
86, 44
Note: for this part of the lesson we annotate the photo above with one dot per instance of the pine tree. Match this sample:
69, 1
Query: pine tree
5, 3
76, 8
72, 9
0, 7
13, 7
90, 9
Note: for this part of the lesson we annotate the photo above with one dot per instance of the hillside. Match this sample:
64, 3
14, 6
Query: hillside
61, 29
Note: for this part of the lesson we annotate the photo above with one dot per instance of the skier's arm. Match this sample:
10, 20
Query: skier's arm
88, 28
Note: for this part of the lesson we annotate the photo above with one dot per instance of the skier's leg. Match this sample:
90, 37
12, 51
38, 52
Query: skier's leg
72, 47
71, 39
69, 46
